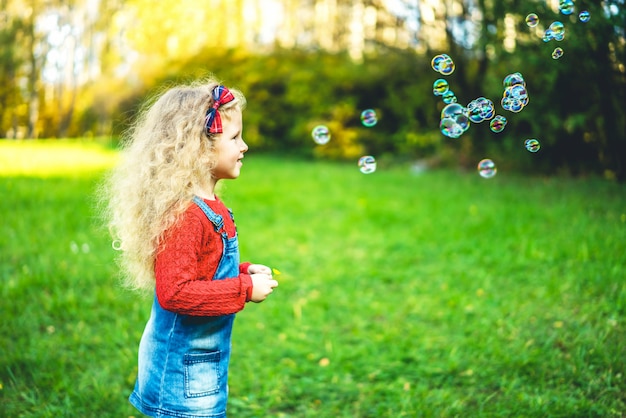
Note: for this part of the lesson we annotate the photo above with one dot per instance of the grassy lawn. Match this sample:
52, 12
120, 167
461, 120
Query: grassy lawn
438, 294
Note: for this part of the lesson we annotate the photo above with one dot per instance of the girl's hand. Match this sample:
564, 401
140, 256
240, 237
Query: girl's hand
259, 269
262, 286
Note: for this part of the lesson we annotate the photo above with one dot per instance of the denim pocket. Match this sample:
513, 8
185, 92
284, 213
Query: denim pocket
202, 374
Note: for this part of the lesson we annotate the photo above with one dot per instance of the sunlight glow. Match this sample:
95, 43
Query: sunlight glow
49, 158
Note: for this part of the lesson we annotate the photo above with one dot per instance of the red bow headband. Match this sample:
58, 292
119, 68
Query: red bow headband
213, 122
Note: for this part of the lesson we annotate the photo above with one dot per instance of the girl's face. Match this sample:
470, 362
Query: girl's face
230, 148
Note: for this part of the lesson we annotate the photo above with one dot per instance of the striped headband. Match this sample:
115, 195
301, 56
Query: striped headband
213, 121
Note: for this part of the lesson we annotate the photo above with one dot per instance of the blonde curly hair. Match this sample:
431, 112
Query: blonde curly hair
165, 156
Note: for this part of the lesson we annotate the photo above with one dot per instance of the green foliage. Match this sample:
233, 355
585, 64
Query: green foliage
438, 294
576, 103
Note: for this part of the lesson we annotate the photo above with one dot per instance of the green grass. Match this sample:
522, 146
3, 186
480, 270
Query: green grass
401, 295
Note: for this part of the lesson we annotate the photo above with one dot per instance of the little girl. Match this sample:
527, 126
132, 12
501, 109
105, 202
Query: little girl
178, 239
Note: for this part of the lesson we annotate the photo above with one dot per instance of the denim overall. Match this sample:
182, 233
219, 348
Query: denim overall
183, 360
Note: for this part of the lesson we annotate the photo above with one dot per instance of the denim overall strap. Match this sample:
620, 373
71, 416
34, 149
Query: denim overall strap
215, 219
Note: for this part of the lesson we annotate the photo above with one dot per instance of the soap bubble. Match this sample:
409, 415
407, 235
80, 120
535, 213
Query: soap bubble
480, 109
558, 30
515, 95
447, 67
443, 64
513, 80
557, 53
532, 145
518, 92
369, 118
547, 35
487, 168
434, 63
321, 134
449, 97
584, 16
566, 7
497, 124
367, 164
440, 86
532, 20
454, 120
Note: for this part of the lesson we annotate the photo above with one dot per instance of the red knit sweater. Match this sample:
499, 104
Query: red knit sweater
185, 266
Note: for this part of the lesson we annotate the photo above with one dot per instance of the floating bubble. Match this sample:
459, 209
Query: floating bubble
566, 7
558, 30
448, 68
497, 124
449, 97
453, 110
367, 164
548, 35
454, 120
517, 92
450, 128
512, 105
532, 20
532, 145
116, 244
557, 53
321, 134
513, 79
487, 168
443, 64
584, 16
434, 63
440, 86
369, 118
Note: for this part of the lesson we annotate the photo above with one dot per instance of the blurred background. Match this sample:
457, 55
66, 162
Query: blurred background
82, 68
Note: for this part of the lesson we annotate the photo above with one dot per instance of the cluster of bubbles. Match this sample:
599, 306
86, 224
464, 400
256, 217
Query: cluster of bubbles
442, 88
456, 118
515, 96
443, 64
321, 136
556, 30
481, 109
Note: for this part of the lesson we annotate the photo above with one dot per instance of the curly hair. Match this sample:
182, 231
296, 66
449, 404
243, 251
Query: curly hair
165, 156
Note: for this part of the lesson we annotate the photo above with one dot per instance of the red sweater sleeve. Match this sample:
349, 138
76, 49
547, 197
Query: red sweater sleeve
186, 264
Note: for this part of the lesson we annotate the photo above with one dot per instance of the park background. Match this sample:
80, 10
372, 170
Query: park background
419, 290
